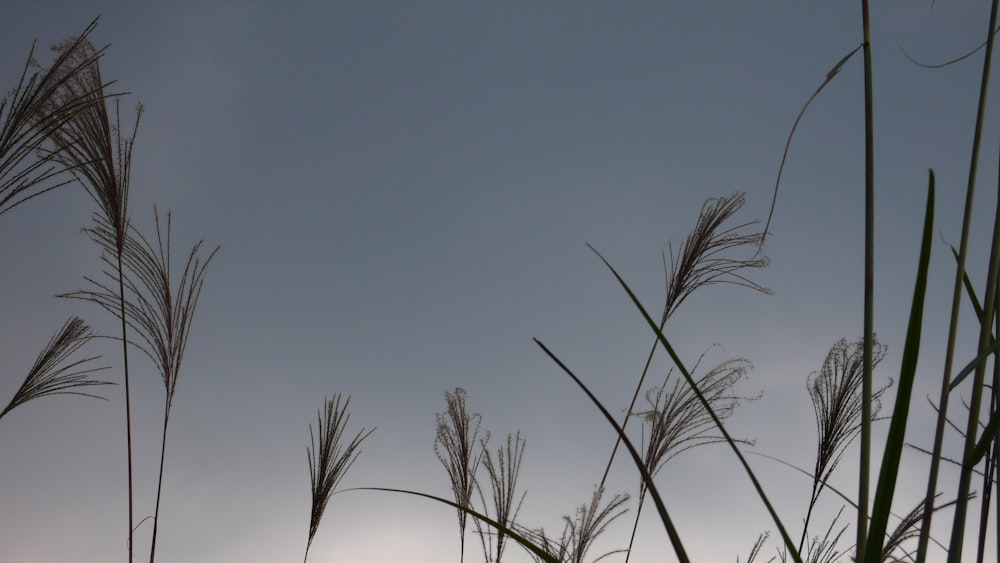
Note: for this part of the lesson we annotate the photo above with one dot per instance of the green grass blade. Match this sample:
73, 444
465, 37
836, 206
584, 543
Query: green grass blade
989, 433
701, 398
971, 366
969, 290
525, 542
675, 538
882, 503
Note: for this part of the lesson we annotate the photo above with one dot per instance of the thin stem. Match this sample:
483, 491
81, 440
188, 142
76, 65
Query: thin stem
159, 483
866, 416
128, 403
635, 525
631, 407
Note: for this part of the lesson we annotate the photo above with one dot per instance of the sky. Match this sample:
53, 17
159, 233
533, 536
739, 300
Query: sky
403, 193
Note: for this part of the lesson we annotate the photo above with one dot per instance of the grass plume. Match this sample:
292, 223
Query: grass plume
704, 258
503, 471
677, 421
54, 374
38, 107
836, 393
589, 521
456, 447
159, 310
329, 457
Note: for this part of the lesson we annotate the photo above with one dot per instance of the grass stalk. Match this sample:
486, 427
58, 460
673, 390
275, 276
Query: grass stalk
162, 315
956, 299
159, 313
869, 291
99, 157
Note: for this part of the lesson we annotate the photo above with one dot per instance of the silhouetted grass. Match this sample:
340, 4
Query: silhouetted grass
457, 445
93, 149
54, 374
34, 111
57, 122
329, 457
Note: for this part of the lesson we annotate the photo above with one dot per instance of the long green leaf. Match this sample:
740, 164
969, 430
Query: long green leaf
971, 366
708, 408
989, 433
675, 538
969, 290
886, 488
525, 542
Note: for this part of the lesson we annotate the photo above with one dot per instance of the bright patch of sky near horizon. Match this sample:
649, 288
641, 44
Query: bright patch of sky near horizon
402, 193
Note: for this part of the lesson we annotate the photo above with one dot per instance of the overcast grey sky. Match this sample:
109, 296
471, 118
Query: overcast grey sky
403, 192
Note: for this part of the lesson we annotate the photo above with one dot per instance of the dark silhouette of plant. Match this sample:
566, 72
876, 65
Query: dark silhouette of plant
907, 529
837, 399
558, 548
100, 158
755, 550
677, 421
822, 550
38, 106
581, 530
53, 374
703, 259
503, 472
456, 447
590, 521
159, 312
329, 458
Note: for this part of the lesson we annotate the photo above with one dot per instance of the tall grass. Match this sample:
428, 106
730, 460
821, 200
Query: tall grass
99, 157
57, 126
846, 400
31, 116
57, 129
